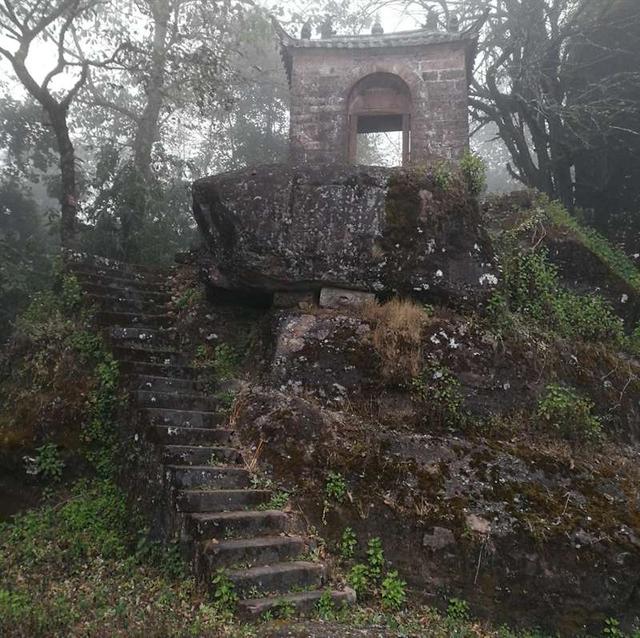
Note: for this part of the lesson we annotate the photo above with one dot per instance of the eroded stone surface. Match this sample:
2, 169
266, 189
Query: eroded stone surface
280, 228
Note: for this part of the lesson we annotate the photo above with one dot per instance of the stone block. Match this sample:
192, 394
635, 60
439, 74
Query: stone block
338, 298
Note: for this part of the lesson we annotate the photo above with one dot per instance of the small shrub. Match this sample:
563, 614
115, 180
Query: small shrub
277, 501
442, 175
569, 414
224, 596
474, 171
325, 607
393, 592
375, 558
397, 337
458, 610
532, 288
348, 543
49, 465
358, 578
335, 488
441, 391
612, 628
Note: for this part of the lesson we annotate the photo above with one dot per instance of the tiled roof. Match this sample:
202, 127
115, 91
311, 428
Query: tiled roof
398, 39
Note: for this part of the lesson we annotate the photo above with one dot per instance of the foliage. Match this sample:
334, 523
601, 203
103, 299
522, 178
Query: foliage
49, 465
358, 578
222, 360
277, 501
458, 610
375, 558
225, 596
474, 171
532, 288
335, 488
348, 543
90, 562
568, 414
439, 389
615, 258
442, 175
325, 607
392, 592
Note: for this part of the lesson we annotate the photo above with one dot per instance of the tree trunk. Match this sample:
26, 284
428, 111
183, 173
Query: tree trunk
69, 190
147, 132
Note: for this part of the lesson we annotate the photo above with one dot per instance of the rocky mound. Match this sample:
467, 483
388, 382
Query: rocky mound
280, 228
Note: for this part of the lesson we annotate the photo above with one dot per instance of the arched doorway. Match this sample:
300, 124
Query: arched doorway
380, 103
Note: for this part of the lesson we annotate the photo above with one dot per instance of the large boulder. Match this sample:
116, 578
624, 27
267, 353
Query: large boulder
283, 228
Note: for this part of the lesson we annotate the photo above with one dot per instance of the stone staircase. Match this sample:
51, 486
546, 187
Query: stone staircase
222, 519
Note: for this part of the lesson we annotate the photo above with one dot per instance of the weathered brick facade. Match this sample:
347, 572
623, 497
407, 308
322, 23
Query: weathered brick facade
434, 67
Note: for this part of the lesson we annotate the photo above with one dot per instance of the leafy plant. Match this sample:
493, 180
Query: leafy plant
612, 628
393, 592
474, 171
225, 596
569, 414
442, 175
458, 610
375, 558
358, 578
335, 488
441, 391
325, 607
277, 501
347, 544
49, 465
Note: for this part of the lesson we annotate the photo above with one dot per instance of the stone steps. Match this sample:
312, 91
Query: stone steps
203, 501
279, 578
173, 370
108, 318
151, 383
168, 435
238, 524
220, 514
200, 455
176, 400
181, 418
108, 302
303, 602
251, 552
128, 293
197, 476
124, 335
148, 354
120, 282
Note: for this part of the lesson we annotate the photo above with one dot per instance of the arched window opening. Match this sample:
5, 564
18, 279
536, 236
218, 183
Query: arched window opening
380, 110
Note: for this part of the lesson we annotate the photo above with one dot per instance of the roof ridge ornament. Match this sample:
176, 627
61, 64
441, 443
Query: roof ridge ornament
326, 29
377, 28
432, 20
305, 32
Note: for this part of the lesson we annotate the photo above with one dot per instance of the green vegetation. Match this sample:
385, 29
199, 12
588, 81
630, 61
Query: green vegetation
335, 488
442, 175
393, 594
49, 465
371, 580
222, 361
347, 545
568, 414
88, 559
224, 596
441, 393
474, 172
277, 501
531, 288
615, 259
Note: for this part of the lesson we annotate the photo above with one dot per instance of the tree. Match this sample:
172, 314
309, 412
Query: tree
31, 23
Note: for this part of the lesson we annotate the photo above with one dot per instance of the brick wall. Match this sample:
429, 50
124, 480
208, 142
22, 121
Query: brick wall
322, 79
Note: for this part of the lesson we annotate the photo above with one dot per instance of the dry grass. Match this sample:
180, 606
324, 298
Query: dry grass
397, 337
